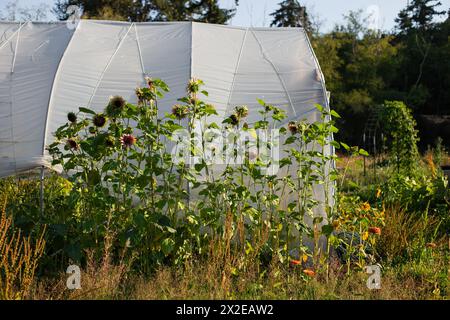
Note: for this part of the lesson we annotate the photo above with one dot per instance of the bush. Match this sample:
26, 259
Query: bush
19, 258
400, 125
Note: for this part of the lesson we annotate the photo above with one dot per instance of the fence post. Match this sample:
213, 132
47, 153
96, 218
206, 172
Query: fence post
41, 199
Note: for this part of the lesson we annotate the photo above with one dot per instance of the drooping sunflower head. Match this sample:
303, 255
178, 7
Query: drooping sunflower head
99, 120
292, 127
193, 86
72, 144
139, 94
242, 111
109, 142
115, 106
193, 101
180, 111
150, 82
234, 119
72, 117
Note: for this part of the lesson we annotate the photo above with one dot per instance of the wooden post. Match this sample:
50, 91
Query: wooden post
41, 199
364, 157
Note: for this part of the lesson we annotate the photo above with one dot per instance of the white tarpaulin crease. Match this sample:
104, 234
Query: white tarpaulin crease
48, 70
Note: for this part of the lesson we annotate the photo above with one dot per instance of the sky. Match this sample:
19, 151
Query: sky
329, 12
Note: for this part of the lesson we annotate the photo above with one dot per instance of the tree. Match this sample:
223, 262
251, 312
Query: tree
149, 10
129, 10
422, 62
291, 14
210, 12
418, 15
358, 65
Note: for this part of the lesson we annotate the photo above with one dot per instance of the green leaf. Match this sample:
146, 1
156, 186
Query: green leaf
319, 107
334, 114
199, 166
327, 230
346, 146
86, 110
261, 102
335, 144
363, 152
167, 246
290, 140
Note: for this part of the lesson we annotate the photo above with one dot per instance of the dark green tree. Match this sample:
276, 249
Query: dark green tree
419, 14
422, 55
149, 10
128, 10
209, 11
291, 14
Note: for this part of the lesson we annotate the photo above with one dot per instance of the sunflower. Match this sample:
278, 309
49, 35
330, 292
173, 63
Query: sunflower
193, 85
242, 111
72, 117
109, 142
149, 82
292, 127
72, 144
139, 94
127, 140
180, 111
365, 206
99, 120
115, 106
234, 119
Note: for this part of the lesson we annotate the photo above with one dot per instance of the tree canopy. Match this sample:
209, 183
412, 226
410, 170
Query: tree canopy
291, 14
149, 10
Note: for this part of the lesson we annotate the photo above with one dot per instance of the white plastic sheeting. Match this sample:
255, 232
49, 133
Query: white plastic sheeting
48, 70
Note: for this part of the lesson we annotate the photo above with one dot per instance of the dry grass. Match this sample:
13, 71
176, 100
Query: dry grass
229, 273
405, 232
203, 281
19, 259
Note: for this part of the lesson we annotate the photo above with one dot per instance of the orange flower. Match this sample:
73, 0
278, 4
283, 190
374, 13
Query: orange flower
365, 235
431, 245
295, 262
378, 193
309, 273
335, 224
365, 206
375, 230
